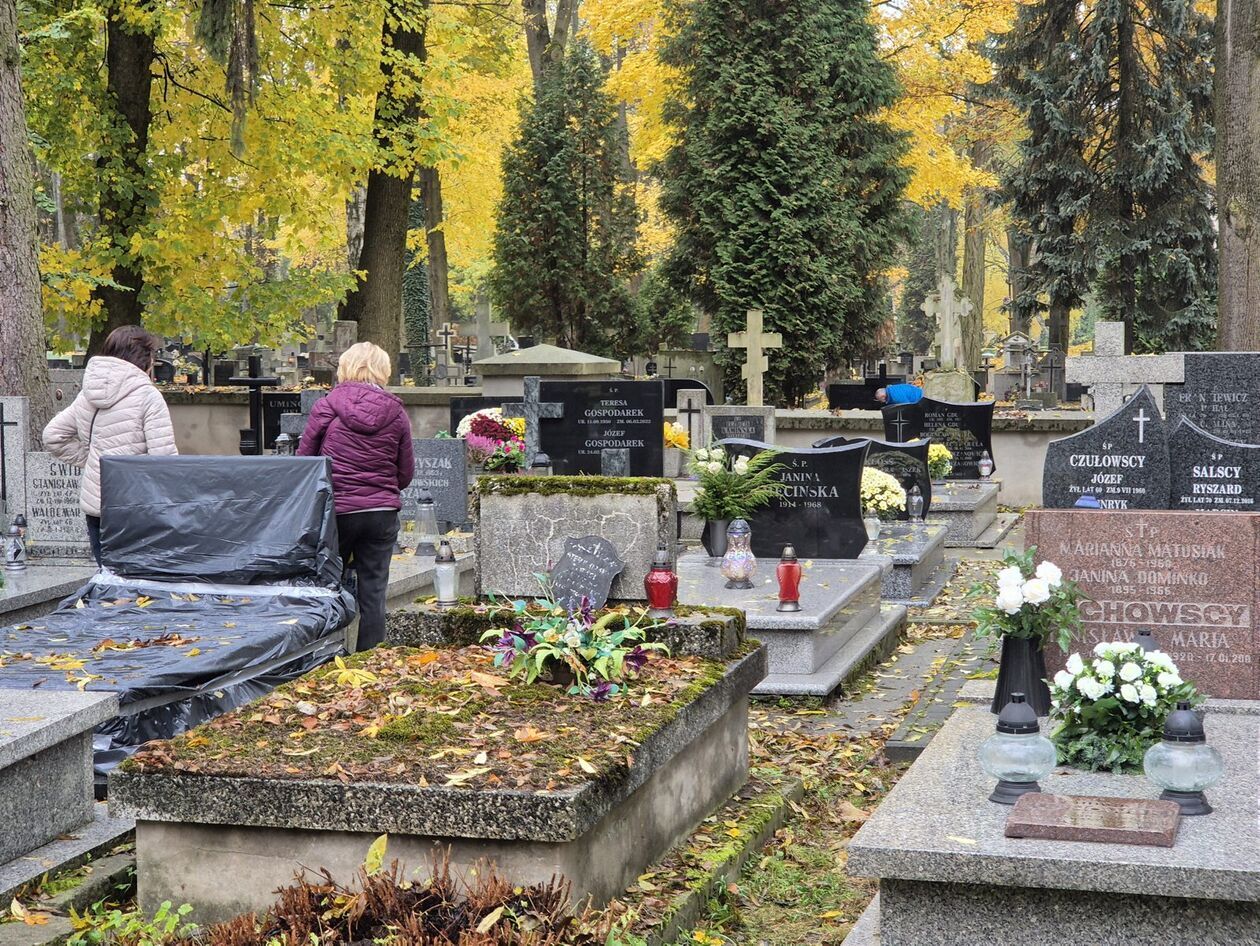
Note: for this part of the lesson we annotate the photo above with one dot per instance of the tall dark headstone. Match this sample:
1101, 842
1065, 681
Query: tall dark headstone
674, 385
1206, 472
602, 415
966, 429
820, 513
907, 462
275, 404
1122, 460
1221, 394
442, 469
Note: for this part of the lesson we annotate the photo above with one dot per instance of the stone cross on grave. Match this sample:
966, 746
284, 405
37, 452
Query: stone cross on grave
532, 408
1112, 374
669, 366
485, 330
945, 307
446, 333
757, 363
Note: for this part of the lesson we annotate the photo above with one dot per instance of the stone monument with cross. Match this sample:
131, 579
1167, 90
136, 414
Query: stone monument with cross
533, 409
14, 414
446, 333
1113, 375
485, 330
756, 363
950, 381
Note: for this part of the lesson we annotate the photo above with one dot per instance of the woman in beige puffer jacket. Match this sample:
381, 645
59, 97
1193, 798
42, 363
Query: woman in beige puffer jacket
118, 412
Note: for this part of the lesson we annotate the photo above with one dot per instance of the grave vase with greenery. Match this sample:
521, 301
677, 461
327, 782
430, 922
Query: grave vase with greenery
731, 487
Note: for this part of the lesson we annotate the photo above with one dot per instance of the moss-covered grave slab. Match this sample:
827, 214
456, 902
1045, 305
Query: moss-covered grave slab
521, 524
436, 748
711, 633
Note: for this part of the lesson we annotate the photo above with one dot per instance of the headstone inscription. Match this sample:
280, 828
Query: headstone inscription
585, 573
442, 469
820, 511
907, 462
275, 404
594, 416
1206, 472
738, 422
1122, 461
966, 429
14, 417
1221, 394
55, 524
1094, 818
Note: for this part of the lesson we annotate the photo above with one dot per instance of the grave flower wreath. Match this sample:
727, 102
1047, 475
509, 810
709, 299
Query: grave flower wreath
493, 440
882, 495
940, 461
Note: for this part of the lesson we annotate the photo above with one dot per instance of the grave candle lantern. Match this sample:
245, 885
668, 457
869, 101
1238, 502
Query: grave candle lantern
789, 575
14, 550
285, 445
984, 465
541, 465
738, 564
426, 524
661, 583
445, 579
914, 504
1183, 764
1017, 755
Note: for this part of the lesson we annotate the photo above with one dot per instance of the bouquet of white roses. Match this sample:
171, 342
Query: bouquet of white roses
1108, 710
882, 495
940, 461
1028, 602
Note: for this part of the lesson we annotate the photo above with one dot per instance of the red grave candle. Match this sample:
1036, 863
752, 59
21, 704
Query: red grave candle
661, 583
789, 575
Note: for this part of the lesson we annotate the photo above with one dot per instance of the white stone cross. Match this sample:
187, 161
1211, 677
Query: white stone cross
757, 363
485, 330
943, 306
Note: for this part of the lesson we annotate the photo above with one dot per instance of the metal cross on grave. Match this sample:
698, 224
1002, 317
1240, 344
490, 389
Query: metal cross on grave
532, 408
756, 364
485, 330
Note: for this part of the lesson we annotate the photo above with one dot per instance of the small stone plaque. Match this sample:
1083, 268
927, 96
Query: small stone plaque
585, 570
442, 469
1094, 818
738, 422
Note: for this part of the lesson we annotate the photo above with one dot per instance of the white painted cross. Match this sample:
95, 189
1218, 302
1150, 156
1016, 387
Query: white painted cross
1141, 419
757, 363
944, 307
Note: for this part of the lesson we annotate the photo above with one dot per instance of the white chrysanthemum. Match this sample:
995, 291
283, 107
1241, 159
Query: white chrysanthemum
1009, 599
1130, 672
1063, 679
1050, 573
1157, 658
714, 466
1103, 649
1036, 591
1104, 668
1168, 679
1148, 694
1010, 576
1090, 688
1075, 665
1129, 693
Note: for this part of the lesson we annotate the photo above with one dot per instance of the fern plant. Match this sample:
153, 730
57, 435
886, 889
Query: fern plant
734, 487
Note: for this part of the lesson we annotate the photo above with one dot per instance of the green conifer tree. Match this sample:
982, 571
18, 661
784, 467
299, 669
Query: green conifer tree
785, 184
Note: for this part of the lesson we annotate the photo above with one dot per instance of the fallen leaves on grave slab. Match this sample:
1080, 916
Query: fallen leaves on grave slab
459, 778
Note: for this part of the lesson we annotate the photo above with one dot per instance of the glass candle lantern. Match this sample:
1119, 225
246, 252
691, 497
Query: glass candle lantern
738, 564
1145, 638
14, 550
872, 525
1017, 755
789, 575
1183, 764
541, 465
285, 445
914, 504
661, 583
985, 464
427, 531
445, 576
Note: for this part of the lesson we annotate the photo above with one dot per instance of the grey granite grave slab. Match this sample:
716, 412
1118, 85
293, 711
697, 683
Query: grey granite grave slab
38, 589
966, 508
1220, 393
916, 551
14, 440
949, 875
442, 469
87, 842
809, 650
520, 533
1206, 472
46, 764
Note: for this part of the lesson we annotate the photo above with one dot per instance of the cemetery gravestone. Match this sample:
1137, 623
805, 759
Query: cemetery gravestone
736, 422
1207, 472
533, 409
14, 435
55, 524
66, 385
820, 511
907, 462
673, 386
966, 429
691, 405
461, 407
1122, 461
442, 469
594, 416
756, 363
1220, 393
275, 404
585, 573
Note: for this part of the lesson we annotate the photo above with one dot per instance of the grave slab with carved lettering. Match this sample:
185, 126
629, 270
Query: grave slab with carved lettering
1207, 472
1094, 818
585, 573
966, 429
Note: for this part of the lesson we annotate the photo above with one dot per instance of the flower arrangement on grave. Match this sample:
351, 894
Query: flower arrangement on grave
1108, 710
1025, 607
733, 487
596, 656
882, 495
675, 436
493, 440
940, 461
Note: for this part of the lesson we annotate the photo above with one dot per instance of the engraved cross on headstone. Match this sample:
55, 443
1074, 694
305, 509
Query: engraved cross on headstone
485, 330
689, 401
533, 410
1141, 420
899, 424
4, 463
757, 363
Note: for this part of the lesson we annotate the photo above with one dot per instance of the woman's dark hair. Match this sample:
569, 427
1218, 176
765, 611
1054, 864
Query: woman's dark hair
131, 343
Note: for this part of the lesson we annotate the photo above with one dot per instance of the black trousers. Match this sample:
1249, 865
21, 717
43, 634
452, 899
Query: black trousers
94, 536
367, 545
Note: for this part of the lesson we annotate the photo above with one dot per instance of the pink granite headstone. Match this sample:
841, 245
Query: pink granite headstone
1190, 577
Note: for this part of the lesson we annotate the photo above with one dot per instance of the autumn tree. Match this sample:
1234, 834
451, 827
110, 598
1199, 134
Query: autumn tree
920, 259
785, 184
565, 240
1116, 97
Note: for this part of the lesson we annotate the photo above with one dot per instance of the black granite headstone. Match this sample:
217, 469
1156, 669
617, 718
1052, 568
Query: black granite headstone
601, 415
585, 571
738, 426
275, 403
966, 429
859, 395
1122, 461
1221, 394
907, 462
674, 385
1206, 472
461, 407
820, 513
442, 469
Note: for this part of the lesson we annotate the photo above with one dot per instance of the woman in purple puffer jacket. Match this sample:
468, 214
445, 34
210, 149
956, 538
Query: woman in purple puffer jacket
364, 430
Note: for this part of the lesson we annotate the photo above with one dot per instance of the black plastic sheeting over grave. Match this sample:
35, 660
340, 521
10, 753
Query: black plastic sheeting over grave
247, 595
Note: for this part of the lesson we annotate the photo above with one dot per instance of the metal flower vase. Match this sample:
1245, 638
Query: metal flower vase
714, 537
1022, 670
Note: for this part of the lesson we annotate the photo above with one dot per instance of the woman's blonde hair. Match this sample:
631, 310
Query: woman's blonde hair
364, 362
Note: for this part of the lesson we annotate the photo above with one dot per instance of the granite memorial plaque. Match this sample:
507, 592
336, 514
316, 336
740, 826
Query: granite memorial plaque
739, 422
55, 524
585, 572
274, 404
14, 434
1220, 393
907, 462
1094, 818
966, 429
1206, 472
820, 512
600, 415
442, 469
1122, 461
1188, 576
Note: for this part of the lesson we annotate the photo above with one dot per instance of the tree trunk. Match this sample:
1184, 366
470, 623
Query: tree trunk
545, 43
376, 302
125, 191
1127, 68
355, 204
1057, 325
439, 267
24, 367
1237, 184
946, 242
1018, 251
974, 242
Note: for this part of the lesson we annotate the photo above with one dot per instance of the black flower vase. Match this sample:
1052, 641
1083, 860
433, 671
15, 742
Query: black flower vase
1023, 670
714, 537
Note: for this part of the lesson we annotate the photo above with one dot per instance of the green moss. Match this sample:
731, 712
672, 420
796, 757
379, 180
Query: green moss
573, 485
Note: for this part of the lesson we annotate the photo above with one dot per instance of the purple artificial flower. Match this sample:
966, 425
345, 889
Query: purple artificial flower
588, 615
603, 692
635, 659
